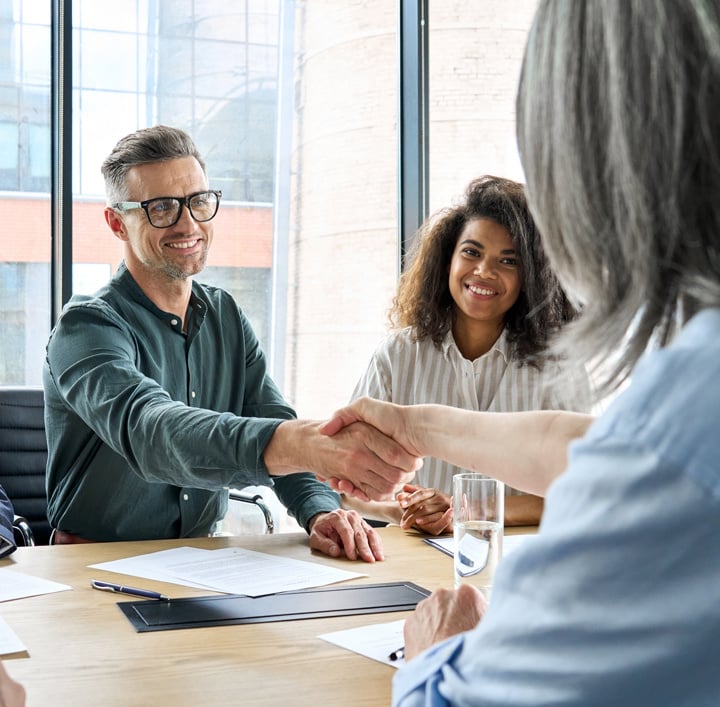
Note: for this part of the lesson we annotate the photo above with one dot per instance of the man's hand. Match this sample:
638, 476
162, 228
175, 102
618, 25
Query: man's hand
444, 613
371, 463
426, 509
388, 418
345, 533
376, 465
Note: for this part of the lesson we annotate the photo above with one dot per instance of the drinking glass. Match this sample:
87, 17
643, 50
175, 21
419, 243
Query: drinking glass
478, 517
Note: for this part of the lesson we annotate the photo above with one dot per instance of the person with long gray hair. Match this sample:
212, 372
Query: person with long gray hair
614, 601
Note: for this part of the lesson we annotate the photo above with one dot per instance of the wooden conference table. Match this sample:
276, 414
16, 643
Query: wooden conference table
83, 650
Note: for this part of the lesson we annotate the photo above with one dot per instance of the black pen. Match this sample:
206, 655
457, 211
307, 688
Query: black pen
110, 587
399, 654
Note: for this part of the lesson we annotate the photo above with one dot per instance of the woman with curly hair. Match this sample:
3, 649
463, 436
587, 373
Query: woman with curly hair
472, 320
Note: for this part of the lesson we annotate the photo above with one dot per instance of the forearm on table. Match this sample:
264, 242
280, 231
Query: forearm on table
526, 450
523, 510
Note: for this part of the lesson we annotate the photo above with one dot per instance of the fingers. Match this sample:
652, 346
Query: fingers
342, 418
346, 533
444, 613
416, 496
434, 524
374, 464
368, 545
12, 693
371, 488
390, 453
427, 509
367, 542
410, 488
325, 544
346, 487
371, 463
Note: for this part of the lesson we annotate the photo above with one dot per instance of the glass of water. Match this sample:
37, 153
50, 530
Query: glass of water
478, 516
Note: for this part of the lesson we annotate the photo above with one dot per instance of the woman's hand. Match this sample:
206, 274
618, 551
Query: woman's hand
444, 613
426, 509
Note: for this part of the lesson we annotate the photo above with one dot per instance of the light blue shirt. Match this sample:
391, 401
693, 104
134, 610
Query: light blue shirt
616, 601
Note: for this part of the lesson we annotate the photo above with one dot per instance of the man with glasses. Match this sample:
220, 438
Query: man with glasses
156, 390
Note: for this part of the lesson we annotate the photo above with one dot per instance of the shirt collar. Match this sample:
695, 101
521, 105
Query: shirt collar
198, 303
501, 346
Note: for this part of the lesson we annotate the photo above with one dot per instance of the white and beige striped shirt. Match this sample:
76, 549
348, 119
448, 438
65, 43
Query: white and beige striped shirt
406, 372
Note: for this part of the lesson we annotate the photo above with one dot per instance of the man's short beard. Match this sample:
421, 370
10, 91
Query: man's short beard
176, 273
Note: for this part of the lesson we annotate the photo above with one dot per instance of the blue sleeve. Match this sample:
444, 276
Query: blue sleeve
613, 602
418, 683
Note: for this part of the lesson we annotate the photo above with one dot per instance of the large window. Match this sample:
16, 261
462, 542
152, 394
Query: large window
24, 189
475, 53
342, 225
295, 107
210, 68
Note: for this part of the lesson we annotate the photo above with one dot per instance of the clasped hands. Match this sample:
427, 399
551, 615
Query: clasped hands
387, 437
424, 508
446, 612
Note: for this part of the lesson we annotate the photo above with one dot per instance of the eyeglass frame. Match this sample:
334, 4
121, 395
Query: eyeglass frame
184, 201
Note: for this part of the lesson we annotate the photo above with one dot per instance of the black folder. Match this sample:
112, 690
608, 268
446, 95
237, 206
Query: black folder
227, 610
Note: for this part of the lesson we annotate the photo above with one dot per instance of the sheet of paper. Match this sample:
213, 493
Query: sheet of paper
9, 642
229, 570
446, 544
376, 641
235, 570
155, 565
16, 585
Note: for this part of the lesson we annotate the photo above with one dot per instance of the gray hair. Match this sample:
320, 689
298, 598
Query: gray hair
620, 141
156, 144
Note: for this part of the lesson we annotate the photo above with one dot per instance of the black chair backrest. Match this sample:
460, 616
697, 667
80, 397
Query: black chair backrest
23, 456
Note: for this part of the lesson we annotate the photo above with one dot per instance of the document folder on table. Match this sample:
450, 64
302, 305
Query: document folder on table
198, 612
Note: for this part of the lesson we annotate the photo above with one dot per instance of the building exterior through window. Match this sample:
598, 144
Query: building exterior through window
294, 106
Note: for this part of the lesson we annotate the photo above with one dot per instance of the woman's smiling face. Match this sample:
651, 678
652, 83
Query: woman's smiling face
484, 273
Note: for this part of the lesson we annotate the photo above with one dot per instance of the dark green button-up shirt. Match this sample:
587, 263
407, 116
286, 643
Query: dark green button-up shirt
148, 427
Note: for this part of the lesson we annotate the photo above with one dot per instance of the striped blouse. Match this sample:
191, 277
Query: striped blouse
406, 372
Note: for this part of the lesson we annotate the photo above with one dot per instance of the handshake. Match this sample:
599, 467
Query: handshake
376, 447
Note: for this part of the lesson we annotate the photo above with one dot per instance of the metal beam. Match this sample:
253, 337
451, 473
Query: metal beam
61, 168
413, 133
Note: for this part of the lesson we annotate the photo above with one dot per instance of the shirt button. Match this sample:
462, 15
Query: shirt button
186, 497
192, 395
174, 322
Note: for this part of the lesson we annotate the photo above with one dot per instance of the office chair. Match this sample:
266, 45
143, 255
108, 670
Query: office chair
23, 533
257, 500
23, 456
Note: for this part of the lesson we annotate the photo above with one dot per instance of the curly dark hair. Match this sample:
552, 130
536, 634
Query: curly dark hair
423, 301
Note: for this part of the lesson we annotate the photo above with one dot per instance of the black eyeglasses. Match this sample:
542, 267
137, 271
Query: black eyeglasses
165, 211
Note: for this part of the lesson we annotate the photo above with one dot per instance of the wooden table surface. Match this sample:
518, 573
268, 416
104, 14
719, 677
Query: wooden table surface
83, 651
